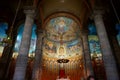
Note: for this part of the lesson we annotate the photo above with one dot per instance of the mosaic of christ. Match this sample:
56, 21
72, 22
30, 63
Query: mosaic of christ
62, 35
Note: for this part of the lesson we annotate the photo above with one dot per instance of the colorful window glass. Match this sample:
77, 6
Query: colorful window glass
18, 41
3, 28
93, 40
96, 54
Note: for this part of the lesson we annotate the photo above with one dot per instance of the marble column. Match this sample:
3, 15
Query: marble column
37, 69
22, 59
88, 62
108, 58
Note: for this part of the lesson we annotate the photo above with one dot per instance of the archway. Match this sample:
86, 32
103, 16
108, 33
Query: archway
62, 41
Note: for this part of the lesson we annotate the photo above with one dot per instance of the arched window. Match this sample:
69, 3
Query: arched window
96, 53
18, 41
94, 44
3, 28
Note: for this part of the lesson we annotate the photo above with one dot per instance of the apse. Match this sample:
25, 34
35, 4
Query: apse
62, 41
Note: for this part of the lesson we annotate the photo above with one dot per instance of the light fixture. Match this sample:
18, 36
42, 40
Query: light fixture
8, 39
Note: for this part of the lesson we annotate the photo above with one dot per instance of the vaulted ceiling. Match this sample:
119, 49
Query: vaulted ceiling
44, 8
81, 9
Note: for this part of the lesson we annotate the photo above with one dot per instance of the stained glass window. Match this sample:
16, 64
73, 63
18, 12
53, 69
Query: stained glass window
18, 41
96, 54
118, 35
93, 40
3, 28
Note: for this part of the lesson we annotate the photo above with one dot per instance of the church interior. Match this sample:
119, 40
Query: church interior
59, 39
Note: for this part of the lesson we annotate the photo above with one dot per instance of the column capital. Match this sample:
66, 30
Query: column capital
29, 10
98, 11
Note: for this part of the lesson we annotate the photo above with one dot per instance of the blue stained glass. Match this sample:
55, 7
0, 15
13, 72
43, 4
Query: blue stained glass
19, 37
94, 45
118, 27
3, 28
93, 40
92, 29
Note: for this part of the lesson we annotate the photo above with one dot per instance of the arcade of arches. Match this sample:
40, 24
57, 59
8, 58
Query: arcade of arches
59, 40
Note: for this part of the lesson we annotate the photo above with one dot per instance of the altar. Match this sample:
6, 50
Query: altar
62, 75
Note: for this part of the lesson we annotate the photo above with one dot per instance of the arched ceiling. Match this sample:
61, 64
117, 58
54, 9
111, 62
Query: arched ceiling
72, 6
80, 8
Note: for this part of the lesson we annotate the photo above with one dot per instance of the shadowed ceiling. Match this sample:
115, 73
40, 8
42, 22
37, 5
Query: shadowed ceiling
46, 8
78, 8
82, 9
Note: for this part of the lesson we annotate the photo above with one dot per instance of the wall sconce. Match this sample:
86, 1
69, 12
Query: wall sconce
7, 41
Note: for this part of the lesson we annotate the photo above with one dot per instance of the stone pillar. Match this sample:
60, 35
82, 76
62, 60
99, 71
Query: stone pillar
22, 58
108, 58
37, 69
4, 61
88, 62
117, 51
